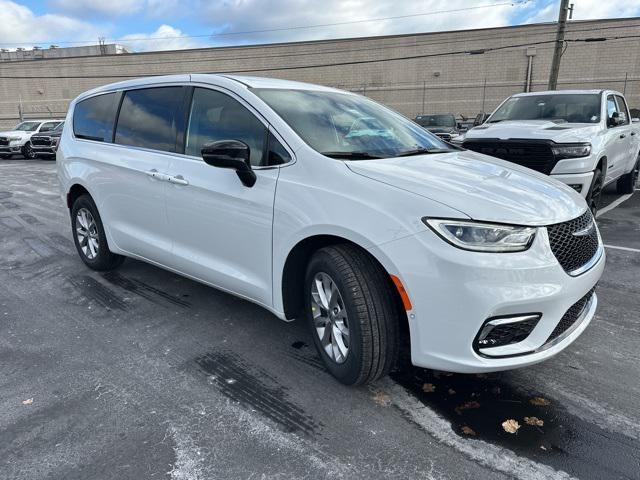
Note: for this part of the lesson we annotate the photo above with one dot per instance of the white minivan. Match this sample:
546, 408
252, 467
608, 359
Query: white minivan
323, 204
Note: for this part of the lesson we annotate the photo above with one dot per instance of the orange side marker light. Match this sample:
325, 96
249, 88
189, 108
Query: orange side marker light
406, 302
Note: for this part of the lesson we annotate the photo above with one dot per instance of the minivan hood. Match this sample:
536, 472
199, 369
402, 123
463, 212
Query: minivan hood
536, 129
482, 187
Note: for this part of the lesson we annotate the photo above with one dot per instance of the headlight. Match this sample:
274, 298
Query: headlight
14, 139
574, 150
482, 237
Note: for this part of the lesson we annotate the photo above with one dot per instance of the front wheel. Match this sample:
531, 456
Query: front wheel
627, 183
352, 314
89, 236
28, 152
595, 192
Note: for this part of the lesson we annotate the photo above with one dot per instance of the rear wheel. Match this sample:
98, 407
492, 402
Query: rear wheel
89, 236
595, 192
352, 314
627, 183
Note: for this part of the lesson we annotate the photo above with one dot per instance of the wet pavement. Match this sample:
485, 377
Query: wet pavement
140, 373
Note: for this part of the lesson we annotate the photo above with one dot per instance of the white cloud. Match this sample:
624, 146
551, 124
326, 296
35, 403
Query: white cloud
165, 37
585, 10
249, 15
20, 27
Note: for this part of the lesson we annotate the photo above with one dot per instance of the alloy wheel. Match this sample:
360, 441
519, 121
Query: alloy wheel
87, 233
596, 193
29, 152
330, 317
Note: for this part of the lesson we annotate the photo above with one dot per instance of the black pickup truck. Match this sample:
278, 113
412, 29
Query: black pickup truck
46, 145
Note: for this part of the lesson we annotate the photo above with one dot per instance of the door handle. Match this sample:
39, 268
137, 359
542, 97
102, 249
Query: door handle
622, 135
153, 173
178, 180
633, 133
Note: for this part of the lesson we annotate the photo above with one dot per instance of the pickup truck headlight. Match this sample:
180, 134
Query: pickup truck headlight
14, 139
574, 150
482, 237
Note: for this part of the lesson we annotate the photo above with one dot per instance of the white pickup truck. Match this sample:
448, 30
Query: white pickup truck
584, 138
17, 141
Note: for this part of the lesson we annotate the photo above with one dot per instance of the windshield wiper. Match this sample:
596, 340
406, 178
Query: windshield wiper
351, 155
423, 151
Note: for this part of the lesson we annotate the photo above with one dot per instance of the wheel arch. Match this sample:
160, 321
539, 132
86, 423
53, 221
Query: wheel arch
294, 270
75, 191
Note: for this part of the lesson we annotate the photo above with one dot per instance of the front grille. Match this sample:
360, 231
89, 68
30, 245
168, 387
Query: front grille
570, 317
4, 141
575, 242
41, 141
535, 155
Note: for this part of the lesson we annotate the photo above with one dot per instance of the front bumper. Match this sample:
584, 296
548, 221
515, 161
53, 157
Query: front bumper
453, 292
44, 150
12, 149
580, 182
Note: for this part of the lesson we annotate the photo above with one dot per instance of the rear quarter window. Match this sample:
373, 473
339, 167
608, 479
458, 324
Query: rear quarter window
94, 117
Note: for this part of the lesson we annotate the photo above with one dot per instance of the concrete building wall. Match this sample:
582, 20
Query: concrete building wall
426, 79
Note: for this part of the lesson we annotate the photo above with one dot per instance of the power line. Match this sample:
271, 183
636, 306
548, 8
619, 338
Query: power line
346, 63
512, 3
100, 63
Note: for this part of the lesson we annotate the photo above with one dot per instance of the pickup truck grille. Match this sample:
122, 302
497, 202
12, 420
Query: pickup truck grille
535, 155
444, 136
4, 141
41, 141
575, 242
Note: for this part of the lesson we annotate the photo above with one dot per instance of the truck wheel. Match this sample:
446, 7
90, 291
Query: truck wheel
595, 192
89, 236
351, 313
28, 152
627, 183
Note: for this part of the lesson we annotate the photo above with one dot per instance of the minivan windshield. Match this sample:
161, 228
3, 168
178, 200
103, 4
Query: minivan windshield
347, 126
28, 126
571, 108
448, 121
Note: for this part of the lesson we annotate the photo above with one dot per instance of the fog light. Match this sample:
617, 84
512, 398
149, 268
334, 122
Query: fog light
501, 331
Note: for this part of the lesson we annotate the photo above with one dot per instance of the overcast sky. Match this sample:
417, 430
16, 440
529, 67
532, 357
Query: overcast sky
174, 24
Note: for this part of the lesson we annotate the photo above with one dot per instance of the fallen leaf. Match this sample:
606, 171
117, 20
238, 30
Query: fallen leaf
510, 426
535, 421
28, 401
468, 431
428, 388
539, 402
452, 391
543, 447
382, 399
467, 406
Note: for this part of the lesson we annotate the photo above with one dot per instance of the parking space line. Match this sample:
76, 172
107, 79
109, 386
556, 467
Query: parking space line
614, 204
626, 249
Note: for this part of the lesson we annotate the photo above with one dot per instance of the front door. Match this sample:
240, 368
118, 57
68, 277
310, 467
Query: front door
222, 230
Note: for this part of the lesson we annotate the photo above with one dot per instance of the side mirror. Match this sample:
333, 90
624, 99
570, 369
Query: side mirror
614, 120
232, 154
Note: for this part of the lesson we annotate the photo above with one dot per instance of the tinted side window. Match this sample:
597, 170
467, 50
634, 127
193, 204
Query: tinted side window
151, 118
94, 117
49, 126
216, 116
622, 109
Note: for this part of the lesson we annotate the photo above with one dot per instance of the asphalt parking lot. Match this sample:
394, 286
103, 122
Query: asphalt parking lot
141, 374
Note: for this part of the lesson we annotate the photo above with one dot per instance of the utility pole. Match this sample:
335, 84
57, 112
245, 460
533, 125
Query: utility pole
557, 51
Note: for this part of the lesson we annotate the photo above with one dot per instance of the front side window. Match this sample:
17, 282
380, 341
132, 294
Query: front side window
151, 118
94, 117
216, 116
347, 126
622, 109
28, 126
49, 126
571, 108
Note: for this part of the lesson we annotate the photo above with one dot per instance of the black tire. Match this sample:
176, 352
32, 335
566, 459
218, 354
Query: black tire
373, 317
595, 192
104, 259
627, 183
28, 152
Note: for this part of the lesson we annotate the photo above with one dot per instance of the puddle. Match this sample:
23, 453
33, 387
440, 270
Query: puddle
477, 405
